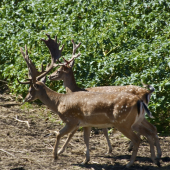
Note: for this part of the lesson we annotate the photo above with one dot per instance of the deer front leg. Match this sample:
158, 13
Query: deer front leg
67, 129
86, 140
67, 141
105, 132
131, 144
153, 130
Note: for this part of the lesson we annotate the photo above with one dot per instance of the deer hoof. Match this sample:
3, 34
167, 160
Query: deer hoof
129, 165
55, 157
159, 156
109, 151
60, 151
85, 162
158, 163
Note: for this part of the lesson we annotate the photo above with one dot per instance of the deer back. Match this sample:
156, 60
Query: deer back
143, 93
70, 84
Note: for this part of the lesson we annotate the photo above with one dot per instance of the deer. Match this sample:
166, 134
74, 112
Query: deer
76, 88
123, 111
65, 73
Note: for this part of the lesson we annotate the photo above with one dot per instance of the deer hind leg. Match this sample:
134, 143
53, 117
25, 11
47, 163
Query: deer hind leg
86, 140
105, 132
128, 132
131, 144
67, 129
153, 129
67, 141
144, 131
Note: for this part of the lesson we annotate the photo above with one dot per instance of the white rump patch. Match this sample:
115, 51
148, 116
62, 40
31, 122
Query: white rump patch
140, 116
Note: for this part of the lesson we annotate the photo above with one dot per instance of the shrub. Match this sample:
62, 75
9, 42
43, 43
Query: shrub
123, 42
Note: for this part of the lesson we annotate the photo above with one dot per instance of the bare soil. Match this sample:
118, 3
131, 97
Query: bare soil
30, 148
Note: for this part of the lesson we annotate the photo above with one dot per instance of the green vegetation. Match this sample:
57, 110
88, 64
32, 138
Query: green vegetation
123, 42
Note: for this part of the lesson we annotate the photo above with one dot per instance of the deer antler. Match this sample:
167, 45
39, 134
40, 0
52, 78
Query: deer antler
31, 68
55, 52
33, 74
53, 47
75, 47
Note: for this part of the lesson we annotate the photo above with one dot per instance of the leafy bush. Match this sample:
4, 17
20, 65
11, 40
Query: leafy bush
123, 42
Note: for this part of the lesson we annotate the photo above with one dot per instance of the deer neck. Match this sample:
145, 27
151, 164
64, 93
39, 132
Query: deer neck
50, 98
70, 83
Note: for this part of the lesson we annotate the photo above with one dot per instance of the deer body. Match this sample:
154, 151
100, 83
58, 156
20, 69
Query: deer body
65, 73
142, 93
103, 108
121, 110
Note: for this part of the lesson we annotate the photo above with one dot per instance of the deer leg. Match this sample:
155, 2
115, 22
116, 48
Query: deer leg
67, 141
67, 129
105, 132
128, 132
131, 144
153, 129
155, 136
146, 132
86, 140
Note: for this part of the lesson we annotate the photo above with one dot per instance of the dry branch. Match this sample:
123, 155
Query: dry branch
23, 121
7, 152
9, 104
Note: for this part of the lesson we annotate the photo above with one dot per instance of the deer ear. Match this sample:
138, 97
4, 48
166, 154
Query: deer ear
36, 86
71, 64
66, 69
43, 80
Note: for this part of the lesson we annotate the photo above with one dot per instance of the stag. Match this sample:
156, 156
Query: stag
65, 73
83, 109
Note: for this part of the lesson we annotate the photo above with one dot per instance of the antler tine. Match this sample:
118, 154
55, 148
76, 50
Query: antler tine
46, 71
75, 56
26, 58
26, 50
75, 47
27, 82
32, 71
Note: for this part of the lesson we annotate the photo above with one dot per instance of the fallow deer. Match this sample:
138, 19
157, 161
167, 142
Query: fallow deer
83, 109
65, 73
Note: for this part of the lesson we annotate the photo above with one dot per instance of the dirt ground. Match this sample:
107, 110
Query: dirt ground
27, 146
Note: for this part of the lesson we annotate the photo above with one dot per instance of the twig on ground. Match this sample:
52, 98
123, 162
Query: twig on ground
23, 121
3, 116
12, 150
51, 132
7, 152
9, 104
48, 145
